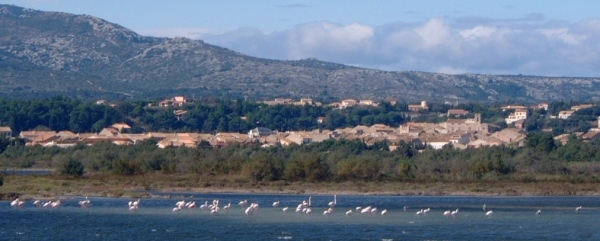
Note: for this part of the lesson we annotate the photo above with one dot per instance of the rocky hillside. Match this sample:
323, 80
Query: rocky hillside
50, 53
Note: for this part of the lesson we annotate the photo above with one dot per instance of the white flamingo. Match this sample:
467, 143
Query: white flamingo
204, 206
285, 209
454, 213
55, 204
180, 204
418, 213
227, 206
133, 205
17, 203
384, 212
334, 202
85, 203
447, 213
328, 211
349, 212
250, 210
538, 212
489, 213
243, 203
37, 203
276, 204
578, 208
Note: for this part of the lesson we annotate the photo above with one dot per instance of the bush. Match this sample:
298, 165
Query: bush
71, 167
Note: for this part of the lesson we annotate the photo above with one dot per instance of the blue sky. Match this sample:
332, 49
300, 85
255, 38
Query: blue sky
552, 38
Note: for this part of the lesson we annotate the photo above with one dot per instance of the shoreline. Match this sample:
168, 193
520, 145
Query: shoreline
163, 186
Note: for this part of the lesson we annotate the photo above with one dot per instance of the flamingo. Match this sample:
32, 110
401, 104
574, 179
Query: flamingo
180, 204
366, 210
243, 203
384, 212
484, 207
285, 209
47, 204
85, 203
204, 206
133, 205
334, 202
227, 206
251, 208
37, 203
454, 213
578, 208
17, 203
489, 213
418, 213
307, 210
373, 210
447, 213
176, 209
276, 204
349, 212
191, 204
55, 204
426, 210
328, 211
539, 211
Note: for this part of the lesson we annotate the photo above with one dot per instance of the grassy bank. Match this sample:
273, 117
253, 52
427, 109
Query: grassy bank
143, 186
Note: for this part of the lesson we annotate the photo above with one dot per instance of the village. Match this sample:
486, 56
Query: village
460, 133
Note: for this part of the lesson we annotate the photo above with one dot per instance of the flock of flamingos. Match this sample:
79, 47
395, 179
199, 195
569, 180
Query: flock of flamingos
214, 208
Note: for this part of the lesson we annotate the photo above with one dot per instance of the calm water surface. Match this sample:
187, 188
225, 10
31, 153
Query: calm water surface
514, 218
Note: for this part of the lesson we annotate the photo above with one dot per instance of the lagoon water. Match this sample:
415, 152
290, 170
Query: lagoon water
514, 218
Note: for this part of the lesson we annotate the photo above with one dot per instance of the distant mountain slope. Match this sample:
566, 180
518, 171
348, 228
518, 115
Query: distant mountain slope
51, 53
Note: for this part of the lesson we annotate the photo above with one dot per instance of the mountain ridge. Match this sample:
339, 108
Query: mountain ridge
44, 54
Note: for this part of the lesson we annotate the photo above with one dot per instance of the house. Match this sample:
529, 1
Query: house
457, 112
579, 107
180, 114
519, 114
416, 108
178, 140
436, 141
5, 131
109, 131
29, 136
299, 138
121, 127
259, 132
368, 103
512, 107
540, 106
348, 103
306, 101
470, 124
520, 124
510, 135
590, 136
565, 114
176, 101
278, 101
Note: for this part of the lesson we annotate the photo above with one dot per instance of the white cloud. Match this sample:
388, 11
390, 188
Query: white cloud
563, 35
438, 45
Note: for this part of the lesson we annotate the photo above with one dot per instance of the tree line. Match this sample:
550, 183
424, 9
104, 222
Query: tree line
327, 161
